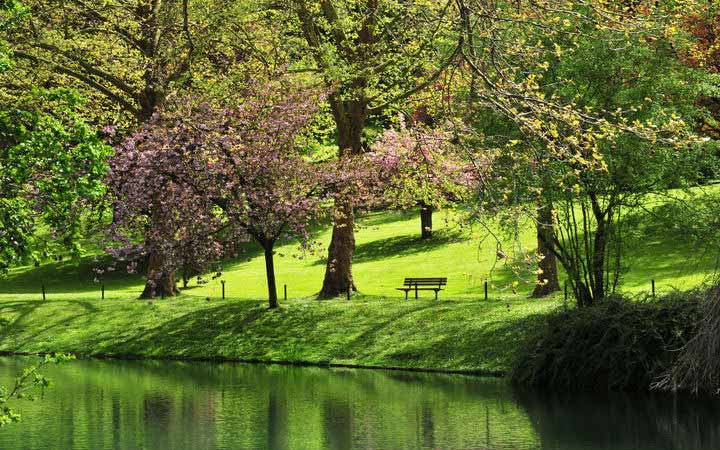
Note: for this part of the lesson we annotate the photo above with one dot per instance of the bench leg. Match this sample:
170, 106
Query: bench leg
406, 294
416, 289
436, 293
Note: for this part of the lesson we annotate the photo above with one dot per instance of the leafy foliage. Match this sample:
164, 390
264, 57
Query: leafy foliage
622, 133
52, 168
26, 384
200, 171
420, 166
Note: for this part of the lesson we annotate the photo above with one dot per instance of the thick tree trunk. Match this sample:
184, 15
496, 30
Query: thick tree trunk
426, 221
338, 273
547, 279
350, 121
270, 273
160, 283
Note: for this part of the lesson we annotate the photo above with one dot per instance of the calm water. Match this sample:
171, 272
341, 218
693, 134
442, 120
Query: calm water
171, 405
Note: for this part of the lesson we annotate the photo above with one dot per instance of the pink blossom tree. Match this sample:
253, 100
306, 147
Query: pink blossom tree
158, 219
237, 171
421, 166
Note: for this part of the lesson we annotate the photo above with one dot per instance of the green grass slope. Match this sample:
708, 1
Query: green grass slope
461, 331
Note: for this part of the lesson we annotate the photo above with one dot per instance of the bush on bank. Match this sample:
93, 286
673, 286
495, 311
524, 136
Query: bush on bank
619, 344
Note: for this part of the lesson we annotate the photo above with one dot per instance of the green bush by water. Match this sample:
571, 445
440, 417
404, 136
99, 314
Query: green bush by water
618, 344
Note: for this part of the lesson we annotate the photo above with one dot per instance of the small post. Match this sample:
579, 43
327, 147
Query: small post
653, 287
102, 292
565, 297
43, 292
486, 290
223, 288
348, 293
566, 292
285, 289
162, 294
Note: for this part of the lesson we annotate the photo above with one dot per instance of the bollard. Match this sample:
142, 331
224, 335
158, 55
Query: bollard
566, 292
653, 288
162, 294
486, 291
102, 292
43, 292
285, 289
348, 293
223, 288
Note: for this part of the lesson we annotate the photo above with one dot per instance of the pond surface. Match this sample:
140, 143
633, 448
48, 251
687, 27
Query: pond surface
100, 404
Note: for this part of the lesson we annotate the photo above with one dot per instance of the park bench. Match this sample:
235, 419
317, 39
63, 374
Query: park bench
423, 284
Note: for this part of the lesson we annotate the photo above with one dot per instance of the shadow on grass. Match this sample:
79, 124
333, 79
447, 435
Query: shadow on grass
67, 276
399, 246
378, 218
23, 309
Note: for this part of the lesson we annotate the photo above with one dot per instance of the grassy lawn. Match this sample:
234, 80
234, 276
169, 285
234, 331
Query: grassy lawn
377, 328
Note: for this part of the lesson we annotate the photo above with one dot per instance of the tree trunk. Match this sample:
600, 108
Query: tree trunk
547, 279
338, 273
350, 121
270, 273
597, 271
583, 295
598, 261
160, 283
426, 220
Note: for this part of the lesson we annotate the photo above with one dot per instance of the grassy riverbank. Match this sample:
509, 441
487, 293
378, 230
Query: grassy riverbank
462, 331
449, 334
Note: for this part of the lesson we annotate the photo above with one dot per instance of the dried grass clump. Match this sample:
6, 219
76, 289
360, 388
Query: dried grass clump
697, 366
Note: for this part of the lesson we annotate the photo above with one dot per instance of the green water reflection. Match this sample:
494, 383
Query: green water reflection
101, 404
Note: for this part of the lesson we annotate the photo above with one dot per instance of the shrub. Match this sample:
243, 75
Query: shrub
697, 367
615, 345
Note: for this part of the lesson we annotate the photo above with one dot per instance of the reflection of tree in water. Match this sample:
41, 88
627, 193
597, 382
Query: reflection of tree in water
116, 421
337, 422
620, 421
277, 420
157, 410
427, 427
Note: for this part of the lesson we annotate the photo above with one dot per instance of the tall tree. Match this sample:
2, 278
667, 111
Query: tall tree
371, 54
602, 131
127, 56
233, 169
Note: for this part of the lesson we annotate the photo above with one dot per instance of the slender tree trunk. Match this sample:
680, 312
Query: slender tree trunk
426, 225
350, 121
597, 271
547, 279
583, 295
270, 273
598, 261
